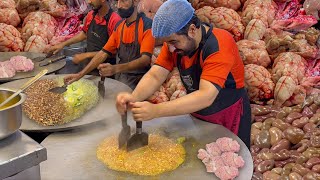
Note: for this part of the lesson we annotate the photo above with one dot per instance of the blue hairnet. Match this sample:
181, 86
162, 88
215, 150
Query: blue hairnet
171, 17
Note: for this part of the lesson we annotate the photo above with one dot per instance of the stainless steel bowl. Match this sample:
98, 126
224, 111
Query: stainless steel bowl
11, 113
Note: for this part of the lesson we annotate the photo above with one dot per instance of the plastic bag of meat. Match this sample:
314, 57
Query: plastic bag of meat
312, 7
21, 63
223, 18
258, 82
10, 38
6, 70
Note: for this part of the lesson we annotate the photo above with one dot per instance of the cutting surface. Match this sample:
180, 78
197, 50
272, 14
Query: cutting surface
105, 108
21, 75
73, 153
19, 152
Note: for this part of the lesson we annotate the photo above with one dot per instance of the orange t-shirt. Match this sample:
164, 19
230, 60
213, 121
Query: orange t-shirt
219, 59
145, 38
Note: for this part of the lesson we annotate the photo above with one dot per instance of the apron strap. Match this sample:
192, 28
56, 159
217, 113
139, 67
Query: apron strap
136, 29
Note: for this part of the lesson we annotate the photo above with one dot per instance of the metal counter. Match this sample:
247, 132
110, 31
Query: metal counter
73, 153
19, 152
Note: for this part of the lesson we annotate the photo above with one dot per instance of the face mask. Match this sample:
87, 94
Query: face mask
125, 13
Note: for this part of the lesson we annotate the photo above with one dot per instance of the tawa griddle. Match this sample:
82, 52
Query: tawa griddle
4, 56
73, 153
105, 109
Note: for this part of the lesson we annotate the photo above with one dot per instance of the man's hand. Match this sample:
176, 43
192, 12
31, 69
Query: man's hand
122, 101
78, 58
106, 69
144, 111
72, 78
55, 48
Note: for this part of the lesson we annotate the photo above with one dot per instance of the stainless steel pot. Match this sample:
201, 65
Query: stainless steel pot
11, 113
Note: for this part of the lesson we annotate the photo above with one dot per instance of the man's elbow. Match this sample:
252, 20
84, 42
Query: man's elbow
208, 100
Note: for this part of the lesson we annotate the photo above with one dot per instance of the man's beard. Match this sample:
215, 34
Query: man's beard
190, 50
95, 8
126, 13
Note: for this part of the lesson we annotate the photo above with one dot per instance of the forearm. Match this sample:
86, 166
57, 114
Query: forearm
149, 84
133, 65
91, 54
77, 38
94, 63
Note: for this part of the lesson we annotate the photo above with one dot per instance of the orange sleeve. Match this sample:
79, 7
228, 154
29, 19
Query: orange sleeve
165, 58
216, 67
111, 46
87, 21
147, 43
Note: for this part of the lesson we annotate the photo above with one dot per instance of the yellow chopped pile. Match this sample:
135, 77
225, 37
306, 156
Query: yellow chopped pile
161, 155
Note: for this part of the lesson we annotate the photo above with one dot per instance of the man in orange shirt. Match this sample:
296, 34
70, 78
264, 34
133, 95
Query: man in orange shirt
98, 27
132, 41
210, 68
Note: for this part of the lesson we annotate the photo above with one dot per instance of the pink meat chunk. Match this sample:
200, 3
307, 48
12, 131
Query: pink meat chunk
232, 159
6, 70
228, 145
203, 155
213, 149
21, 63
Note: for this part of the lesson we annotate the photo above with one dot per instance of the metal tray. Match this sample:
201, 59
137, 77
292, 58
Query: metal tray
73, 153
4, 56
104, 110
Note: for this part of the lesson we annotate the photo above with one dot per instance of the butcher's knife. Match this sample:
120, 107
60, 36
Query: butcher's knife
101, 87
139, 139
38, 59
125, 131
53, 60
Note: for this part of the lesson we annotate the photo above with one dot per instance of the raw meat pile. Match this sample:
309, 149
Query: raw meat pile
285, 142
220, 158
42, 23
9, 68
275, 40
280, 51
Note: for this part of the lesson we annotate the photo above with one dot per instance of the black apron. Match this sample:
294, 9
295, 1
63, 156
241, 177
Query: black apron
97, 37
128, 52
226, 98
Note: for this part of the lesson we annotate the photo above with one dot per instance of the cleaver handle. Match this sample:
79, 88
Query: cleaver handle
57, 59
103, 78
124, 120
139, 127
